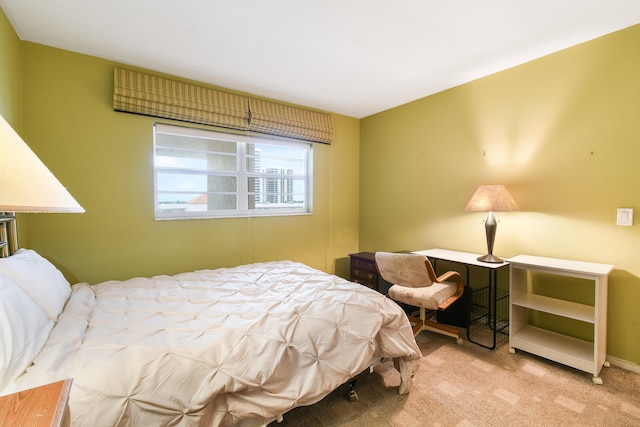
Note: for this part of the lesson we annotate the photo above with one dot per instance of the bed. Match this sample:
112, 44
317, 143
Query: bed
231, 346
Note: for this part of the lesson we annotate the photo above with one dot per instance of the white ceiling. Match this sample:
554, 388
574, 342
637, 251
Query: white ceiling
353, 57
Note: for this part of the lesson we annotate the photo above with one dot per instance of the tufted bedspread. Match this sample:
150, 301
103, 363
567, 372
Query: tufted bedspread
238, 345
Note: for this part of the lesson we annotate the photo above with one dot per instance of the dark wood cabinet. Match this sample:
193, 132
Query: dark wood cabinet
363, 269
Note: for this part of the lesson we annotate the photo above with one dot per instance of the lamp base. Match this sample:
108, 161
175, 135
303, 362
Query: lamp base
490, 258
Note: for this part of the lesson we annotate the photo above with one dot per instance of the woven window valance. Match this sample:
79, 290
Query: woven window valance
277, 119
154, 96
139, 93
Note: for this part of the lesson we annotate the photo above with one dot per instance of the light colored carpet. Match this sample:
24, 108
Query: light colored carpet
471, 386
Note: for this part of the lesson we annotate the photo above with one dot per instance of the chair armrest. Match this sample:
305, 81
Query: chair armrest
457, 278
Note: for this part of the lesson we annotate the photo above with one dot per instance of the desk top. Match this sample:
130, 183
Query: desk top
461, 257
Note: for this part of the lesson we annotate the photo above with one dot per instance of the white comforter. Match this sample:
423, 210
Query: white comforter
217, 347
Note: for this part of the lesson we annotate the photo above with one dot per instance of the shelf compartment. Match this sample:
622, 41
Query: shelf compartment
569, 309
567, 350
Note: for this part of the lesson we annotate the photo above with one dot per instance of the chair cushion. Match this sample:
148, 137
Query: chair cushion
403, 269
429, 297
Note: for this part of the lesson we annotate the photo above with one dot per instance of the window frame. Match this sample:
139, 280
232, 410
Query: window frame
242, 175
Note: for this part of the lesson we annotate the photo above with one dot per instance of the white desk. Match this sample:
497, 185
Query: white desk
488, 306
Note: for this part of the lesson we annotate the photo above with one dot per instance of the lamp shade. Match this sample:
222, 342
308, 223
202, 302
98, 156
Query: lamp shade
26, 185
491, 198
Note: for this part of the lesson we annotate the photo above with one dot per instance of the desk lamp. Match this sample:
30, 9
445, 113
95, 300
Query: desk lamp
26, 185
491, 198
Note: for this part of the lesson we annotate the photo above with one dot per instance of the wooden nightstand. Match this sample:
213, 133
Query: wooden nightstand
46, 405
363, 269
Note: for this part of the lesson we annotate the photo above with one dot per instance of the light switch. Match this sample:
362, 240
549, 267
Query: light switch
625, 216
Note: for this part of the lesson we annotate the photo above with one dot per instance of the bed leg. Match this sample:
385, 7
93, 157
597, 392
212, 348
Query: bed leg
353, 395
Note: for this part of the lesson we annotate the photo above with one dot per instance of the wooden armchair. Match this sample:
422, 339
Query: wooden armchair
415, 283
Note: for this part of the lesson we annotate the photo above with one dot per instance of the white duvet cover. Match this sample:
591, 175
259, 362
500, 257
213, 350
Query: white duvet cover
217, 347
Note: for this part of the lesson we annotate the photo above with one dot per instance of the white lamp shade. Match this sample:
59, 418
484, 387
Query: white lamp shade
491, 198
26, 184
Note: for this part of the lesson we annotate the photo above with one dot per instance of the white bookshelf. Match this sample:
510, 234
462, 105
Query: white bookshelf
586, 355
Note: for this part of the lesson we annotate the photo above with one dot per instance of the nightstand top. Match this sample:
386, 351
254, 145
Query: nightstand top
40, 406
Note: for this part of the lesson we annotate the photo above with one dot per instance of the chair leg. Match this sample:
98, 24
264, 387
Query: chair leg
440, 328
424, 324
417, 324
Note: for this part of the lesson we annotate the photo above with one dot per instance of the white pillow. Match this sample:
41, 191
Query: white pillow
24, 328
40, 279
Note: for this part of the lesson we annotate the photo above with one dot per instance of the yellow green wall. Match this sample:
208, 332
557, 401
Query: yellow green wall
561, 132
9, 73
11, 81
104, 158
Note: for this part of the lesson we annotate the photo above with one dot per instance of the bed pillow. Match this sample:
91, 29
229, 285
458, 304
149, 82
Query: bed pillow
24, 328
40, 279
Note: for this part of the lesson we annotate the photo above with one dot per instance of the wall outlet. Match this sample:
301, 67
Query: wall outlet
625, 216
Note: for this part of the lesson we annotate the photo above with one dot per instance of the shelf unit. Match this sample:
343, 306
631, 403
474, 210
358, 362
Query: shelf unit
588, 356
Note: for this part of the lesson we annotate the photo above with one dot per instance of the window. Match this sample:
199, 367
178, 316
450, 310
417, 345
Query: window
205, 174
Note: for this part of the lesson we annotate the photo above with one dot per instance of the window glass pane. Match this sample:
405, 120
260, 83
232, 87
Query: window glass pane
186, 152
276, 201
167, 181
200, 174
193, 160
276, 159
226, 184
180, 188
171, 200
179, 202
196, 182
222, 202
281, 191
195, 144
193, 202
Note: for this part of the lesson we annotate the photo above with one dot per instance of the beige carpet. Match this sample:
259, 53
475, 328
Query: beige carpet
471, 386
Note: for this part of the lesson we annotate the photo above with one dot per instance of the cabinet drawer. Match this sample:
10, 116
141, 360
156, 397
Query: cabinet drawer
364, 275
362, 264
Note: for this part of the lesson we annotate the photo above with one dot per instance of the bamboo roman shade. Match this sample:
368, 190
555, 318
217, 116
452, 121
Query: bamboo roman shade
154, 96
139, 93
278, 119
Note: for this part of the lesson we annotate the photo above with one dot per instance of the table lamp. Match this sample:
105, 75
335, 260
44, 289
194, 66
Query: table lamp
26, 185
491, 198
